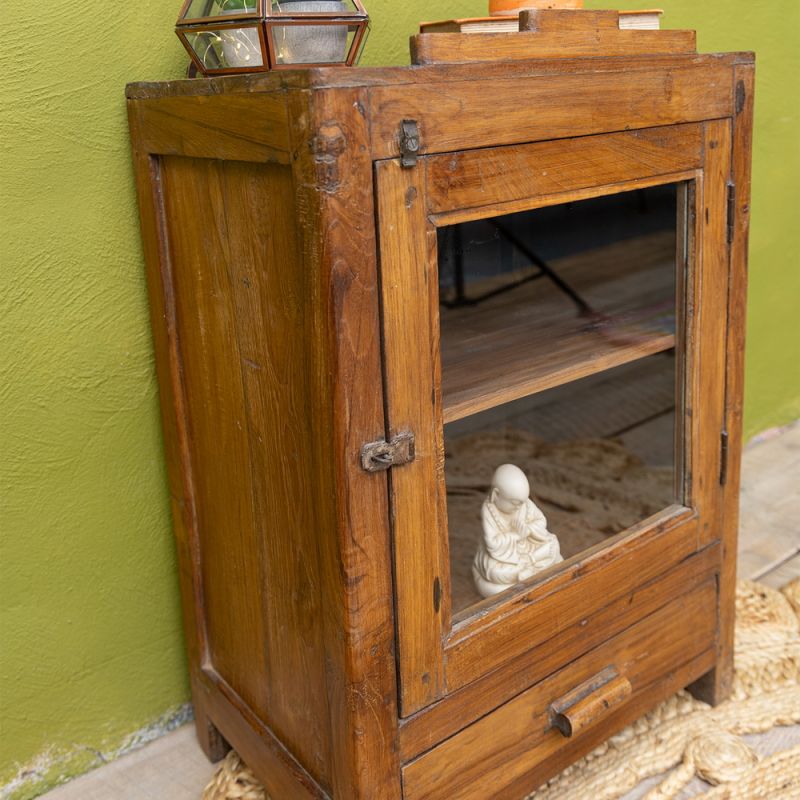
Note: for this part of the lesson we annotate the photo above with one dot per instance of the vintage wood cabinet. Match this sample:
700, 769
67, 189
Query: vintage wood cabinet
297, 228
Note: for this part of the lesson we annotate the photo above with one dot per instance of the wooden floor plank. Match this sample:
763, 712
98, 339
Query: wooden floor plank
769, 533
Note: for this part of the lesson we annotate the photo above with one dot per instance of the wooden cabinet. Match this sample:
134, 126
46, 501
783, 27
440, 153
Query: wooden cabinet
369, 288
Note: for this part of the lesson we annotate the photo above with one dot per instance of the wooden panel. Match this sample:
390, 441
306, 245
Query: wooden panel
241, 127
334, 180
557, 356
464, 706
559, 755
173, 420
240, 299
459, 48
504, 746
366, 77
709, 337
411, 348
506, 174
488, 641
455, 114
256, 743
542, 200
726, 355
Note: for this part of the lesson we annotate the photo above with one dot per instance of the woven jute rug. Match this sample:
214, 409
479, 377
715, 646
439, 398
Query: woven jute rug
683, 737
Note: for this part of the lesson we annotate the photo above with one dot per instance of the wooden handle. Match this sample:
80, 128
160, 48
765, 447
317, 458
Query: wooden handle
589, 702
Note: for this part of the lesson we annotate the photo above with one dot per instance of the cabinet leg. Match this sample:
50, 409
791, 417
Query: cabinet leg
715, 686
211, 740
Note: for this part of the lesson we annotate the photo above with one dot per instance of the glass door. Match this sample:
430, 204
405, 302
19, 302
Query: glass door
540, 335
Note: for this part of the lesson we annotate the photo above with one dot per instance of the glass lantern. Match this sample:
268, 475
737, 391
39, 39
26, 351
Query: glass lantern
240, 36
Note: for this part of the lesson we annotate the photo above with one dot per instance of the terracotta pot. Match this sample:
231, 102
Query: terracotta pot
511, 8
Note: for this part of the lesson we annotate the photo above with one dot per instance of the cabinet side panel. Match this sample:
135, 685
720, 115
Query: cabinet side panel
241, 321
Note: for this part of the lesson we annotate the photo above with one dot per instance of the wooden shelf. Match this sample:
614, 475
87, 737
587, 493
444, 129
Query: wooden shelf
532, 338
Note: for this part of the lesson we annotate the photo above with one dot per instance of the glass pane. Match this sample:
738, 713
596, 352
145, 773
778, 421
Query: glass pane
559, 367
291, 7
212, 8
230, 48
312, 44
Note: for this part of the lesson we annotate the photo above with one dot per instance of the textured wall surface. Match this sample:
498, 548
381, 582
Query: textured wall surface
91, 660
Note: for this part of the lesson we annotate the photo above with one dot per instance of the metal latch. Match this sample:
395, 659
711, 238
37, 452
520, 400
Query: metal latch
409, 143
379, 456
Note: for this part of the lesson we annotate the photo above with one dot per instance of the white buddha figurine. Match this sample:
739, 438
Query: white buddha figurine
516, 543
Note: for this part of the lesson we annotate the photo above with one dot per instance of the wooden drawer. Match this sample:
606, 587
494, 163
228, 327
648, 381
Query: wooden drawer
515, 748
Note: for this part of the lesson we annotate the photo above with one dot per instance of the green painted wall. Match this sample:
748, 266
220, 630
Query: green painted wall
91, 659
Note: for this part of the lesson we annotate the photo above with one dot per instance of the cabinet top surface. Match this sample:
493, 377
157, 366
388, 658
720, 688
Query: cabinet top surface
317, 78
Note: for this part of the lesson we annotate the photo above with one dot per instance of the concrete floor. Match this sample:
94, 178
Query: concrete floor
174, 768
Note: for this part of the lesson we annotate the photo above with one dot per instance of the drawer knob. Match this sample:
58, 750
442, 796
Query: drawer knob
589, 702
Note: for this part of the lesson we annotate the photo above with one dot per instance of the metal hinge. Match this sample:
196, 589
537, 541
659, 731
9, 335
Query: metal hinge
378, 456
409, 143
723, 458
741, 97
731, 211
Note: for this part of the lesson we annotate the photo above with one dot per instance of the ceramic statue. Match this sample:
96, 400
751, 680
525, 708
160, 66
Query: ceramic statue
516, 543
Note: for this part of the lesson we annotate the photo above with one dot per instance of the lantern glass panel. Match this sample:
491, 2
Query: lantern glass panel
312, 43
227, 48
294, 8
201, 9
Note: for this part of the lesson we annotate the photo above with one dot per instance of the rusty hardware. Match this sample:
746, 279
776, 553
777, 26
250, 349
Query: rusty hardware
731, 211
409, 143
723, 458
741, 97
379, 456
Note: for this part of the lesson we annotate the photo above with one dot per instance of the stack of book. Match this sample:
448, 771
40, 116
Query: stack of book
647, 20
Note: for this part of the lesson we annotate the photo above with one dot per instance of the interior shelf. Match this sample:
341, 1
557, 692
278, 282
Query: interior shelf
533, 338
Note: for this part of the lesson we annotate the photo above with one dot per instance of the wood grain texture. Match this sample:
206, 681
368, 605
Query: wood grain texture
333, 180
242, 128
741, 174
501, 633
459, 48
529, 340
555, 757
455, 215
455, 115
239, 290
368, 77
413, 404
717, 686
460, 708
590, 702
492, 754
471, 178
256, 742
174, 424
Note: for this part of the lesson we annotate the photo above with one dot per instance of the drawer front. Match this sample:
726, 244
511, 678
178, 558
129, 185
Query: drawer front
515, 748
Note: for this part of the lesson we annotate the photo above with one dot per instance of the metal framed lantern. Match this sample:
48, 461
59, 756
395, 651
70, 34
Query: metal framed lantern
240, 36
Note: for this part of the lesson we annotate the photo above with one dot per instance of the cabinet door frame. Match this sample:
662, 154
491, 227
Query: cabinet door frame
436, 657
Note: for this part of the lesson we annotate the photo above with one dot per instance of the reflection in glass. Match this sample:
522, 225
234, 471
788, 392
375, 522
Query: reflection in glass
558, 342
198, 9
305, 43
227, 48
